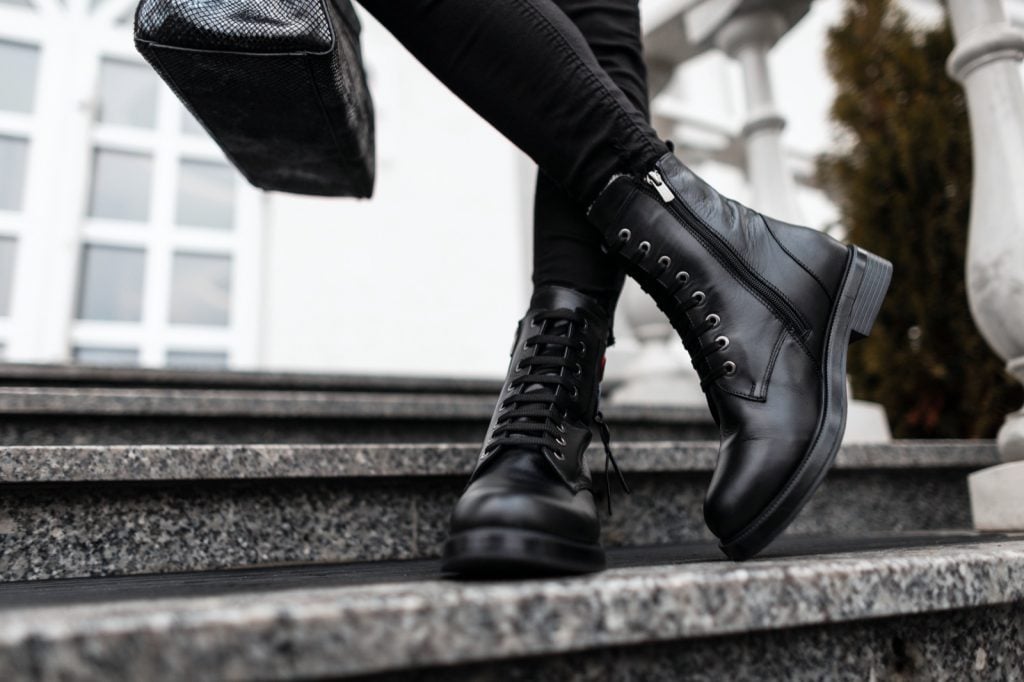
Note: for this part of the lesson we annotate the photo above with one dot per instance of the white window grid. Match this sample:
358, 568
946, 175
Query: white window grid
17, 28
63, 133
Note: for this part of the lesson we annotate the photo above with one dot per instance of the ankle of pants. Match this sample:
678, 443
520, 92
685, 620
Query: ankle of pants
527, 69
567, 250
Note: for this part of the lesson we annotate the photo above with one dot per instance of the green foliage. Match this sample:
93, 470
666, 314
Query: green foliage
903, 184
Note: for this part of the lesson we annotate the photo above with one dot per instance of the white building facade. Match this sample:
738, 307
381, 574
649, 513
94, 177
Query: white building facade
125, 237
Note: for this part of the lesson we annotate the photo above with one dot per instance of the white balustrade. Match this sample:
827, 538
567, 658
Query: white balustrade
986, 61
748, 38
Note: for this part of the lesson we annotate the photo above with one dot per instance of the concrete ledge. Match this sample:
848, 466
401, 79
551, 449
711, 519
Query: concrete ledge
997, 497
89, 511
360, 629
14, 374
62, 464
129, 402
105, 415
966, 644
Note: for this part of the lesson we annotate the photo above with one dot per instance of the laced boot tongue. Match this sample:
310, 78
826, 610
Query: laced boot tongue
544, 385
549, 350
548, 383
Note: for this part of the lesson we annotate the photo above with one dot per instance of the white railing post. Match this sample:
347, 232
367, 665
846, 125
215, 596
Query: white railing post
986, 61
748, 38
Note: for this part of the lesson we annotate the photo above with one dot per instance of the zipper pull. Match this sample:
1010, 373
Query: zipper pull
655, 180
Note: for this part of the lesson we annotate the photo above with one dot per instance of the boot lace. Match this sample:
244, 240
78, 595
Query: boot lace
545, 386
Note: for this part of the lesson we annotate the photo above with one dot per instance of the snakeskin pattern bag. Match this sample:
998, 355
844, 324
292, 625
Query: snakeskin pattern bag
279, 84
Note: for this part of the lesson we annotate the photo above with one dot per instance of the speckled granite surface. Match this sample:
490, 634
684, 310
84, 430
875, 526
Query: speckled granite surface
373, 628
92, 415
367, 503
13, 374
977, 645
226, 402
49, 532
157, 463
162, 430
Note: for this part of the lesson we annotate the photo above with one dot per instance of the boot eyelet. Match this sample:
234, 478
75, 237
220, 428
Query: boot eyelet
645, 248
682, 277
722, 341
558, 455
665, 262
578, 370
583, 349
624, 235
713, 320
561, 428
699, 297
575, 392
730, 368
586, 325
561, 441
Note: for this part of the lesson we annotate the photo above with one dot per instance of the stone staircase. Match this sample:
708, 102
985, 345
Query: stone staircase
162, 525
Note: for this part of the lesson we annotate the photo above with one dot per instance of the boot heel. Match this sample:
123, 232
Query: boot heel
873, 286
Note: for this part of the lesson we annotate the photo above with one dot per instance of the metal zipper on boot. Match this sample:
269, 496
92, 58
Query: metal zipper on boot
718, 243
655, 180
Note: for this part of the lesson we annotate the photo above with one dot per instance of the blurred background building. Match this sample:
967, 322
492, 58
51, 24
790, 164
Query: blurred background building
126, 239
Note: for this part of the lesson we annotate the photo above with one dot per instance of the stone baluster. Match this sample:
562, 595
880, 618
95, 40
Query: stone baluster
986, 61
748, 38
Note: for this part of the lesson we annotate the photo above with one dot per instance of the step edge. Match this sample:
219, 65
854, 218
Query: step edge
225, 462
618, 608
221, 403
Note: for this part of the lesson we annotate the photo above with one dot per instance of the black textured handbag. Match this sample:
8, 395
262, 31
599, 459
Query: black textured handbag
279, 84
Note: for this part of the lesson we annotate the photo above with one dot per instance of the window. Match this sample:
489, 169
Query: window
18, 64
188, 359
117, 357
111, 284
120, 185
13, 153
200, 289
8, 247
206, 194
127, 94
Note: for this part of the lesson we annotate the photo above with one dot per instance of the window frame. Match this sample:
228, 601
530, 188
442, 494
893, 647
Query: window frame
62, 133
21, 25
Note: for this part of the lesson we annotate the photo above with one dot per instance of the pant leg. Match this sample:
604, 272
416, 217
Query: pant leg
527, 69
566, 249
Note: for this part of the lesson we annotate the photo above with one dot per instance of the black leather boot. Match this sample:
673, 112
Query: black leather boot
529, 505
766, 311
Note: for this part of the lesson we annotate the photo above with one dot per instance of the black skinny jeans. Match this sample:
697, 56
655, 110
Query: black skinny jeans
564, 80
566, 249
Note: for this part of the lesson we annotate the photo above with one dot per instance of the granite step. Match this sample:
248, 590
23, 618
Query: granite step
69, 511
61, 415
25, 374
918, 606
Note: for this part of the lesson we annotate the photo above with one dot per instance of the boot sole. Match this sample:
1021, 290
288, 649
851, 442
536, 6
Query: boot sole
865, 284
515, 553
